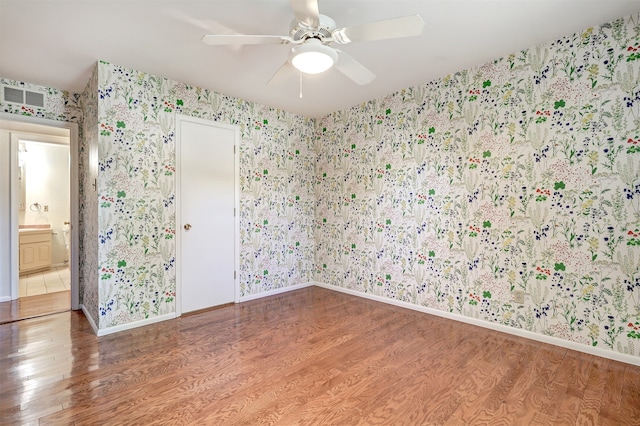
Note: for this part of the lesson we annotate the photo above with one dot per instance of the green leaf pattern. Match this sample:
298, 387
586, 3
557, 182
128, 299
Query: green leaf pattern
530, 185
519, 175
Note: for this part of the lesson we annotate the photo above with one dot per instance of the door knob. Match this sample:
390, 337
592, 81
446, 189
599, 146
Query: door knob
187, 226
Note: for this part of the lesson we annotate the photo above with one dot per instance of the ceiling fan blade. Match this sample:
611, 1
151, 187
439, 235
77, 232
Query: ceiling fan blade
285, 70
405, 26
227, 39
353, 69
306, 12
205, 24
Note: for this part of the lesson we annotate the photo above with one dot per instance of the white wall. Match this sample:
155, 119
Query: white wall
47, 183
5, 217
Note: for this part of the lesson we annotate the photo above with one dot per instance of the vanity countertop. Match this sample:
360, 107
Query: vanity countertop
33, 229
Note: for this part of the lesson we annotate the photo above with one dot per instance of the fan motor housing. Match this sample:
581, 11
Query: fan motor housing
300, 32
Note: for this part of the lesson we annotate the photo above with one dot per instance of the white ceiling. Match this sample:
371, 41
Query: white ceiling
55, 43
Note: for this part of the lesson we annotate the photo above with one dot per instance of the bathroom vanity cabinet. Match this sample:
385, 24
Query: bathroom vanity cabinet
35, 250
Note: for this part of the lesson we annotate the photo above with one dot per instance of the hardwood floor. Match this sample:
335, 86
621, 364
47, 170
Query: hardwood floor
35, 306
312, 357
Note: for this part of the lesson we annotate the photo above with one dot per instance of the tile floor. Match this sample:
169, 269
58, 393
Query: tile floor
50, 281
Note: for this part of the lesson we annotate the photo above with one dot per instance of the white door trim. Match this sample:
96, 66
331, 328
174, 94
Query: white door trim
22, 124
236, 220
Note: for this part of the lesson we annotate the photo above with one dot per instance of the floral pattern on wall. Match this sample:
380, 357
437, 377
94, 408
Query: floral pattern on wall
509, 192
88, 214
136, 192
59, 105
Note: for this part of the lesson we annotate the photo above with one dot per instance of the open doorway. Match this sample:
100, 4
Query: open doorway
39, 214
43, 215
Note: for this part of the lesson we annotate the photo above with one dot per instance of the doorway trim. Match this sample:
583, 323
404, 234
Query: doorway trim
35, 125
236, 207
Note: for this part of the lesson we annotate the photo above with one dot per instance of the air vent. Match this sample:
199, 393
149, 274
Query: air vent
34, 98
19, 96
12, 95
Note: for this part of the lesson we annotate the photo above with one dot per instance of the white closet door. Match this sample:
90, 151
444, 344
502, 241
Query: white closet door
206, 197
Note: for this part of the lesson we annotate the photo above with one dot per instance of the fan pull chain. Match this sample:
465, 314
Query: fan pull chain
300, 84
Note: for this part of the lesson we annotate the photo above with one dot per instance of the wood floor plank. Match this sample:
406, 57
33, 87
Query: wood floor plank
591, 402
612, 396
536, 390
472, 391
312, 357
353, 359
628, 411
35, 306
367, 389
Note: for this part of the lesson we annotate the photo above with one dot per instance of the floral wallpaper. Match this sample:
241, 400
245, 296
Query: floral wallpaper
59, 105
509, 192
136, 192
88, 215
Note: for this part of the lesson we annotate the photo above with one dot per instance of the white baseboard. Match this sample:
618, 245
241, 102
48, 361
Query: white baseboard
5, 299
274, 292
604, 353
110, 330
172, 315
89, 318
135, 324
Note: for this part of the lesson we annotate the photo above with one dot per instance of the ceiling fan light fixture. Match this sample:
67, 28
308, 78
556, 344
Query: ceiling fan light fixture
313, 57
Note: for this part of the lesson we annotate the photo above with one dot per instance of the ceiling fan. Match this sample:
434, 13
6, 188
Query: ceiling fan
312, 34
